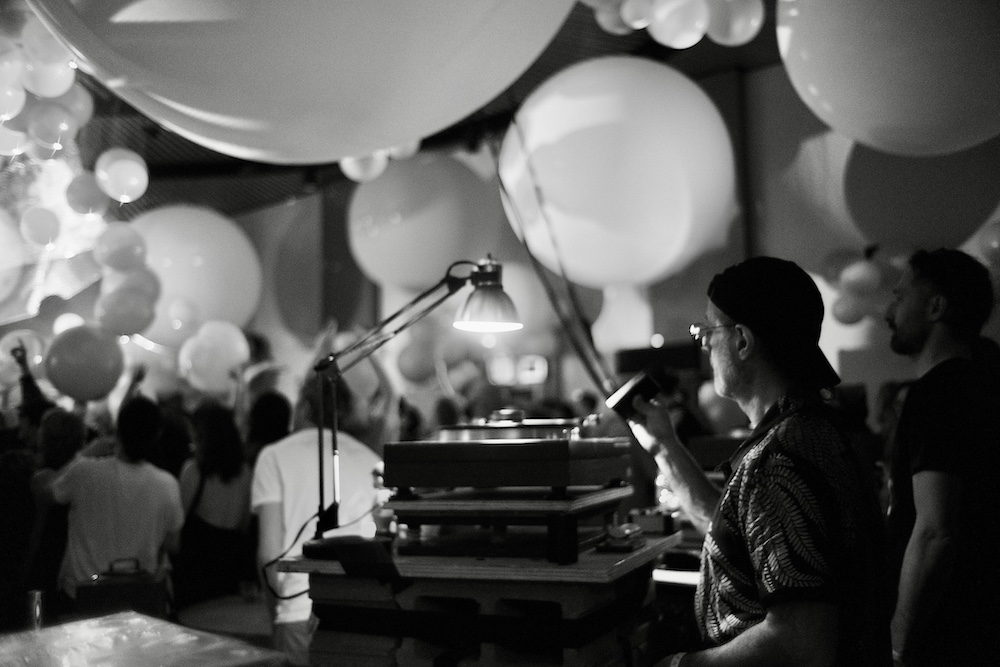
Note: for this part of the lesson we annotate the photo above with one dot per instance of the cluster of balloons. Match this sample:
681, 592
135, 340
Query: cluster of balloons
212, 360
41, 104
864, 282
369, 167
129, 289
680, 24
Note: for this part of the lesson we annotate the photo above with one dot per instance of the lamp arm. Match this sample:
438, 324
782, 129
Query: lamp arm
377, 336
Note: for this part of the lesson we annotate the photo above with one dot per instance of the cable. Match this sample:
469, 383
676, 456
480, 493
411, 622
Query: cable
263, 568
592, 362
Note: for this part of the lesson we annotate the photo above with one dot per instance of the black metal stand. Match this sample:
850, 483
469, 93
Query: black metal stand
330, 371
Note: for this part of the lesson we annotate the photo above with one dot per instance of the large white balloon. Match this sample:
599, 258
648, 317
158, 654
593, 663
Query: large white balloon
419, 216
620, 171
259, 81
207, 267
910, 77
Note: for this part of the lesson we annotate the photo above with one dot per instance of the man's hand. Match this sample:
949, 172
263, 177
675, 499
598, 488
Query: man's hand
20, 354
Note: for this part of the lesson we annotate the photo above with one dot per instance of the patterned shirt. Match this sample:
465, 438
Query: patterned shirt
798, 520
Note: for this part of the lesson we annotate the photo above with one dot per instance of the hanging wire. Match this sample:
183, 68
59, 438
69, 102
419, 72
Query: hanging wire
575, 325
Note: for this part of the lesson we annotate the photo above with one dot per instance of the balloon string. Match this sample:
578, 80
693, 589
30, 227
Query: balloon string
577, 329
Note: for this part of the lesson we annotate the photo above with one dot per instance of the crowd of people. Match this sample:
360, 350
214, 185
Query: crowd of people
826, 544
163, 491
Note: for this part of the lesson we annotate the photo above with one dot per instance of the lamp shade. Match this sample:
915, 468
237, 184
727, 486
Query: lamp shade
488, 309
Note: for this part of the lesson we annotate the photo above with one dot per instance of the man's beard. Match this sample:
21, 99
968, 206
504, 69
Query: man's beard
904, 347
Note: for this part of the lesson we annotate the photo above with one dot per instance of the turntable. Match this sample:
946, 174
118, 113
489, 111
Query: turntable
508, 450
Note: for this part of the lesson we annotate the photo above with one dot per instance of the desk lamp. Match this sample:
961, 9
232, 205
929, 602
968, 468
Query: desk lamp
488, 309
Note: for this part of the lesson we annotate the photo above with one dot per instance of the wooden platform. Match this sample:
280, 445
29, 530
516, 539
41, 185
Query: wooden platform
561, 513
486, 611
591, 568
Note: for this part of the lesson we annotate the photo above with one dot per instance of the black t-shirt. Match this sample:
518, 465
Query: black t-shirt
950, 423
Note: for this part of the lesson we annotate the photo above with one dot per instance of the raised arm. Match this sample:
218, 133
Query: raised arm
697, 494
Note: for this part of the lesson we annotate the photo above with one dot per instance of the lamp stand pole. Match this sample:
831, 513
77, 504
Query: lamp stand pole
327, 515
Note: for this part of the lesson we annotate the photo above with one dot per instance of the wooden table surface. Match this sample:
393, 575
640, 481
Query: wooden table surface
592, 566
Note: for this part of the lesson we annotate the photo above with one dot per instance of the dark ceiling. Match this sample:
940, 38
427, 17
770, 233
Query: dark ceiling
184, 172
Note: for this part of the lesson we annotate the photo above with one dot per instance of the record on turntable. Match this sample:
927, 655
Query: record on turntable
508, 450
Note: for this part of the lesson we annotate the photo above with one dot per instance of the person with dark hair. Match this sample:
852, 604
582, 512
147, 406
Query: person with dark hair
173, 447
122, 506
61, 436
216, 552
944, 534
269, 420
793, 556
285, 498
34, 403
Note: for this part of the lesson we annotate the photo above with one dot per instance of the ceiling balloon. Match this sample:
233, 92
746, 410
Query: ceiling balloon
618, 170
207, 269
908, 77
408, 225
402, 70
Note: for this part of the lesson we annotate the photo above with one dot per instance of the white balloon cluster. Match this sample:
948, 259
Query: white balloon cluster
366, 168
680, 24
865, 286
41, 105
42, 108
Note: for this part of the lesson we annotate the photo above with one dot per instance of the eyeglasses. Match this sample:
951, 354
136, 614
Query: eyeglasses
699, 332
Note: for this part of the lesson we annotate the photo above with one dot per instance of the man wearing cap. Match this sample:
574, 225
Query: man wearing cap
791, 567
944, 532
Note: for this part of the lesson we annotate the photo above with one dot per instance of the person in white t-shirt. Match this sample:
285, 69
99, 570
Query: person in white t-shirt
285, 498
122, 506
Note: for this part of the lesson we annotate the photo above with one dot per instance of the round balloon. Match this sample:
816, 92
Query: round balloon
988, 240
14, 256
909, 77
210, 360
849, 309
122, 174
734, 22
85, 196
141, 279
52, 126
124, 311
40, 226
12, 142
404, 70
364, 169
79, 102
84, 363
204, 262
41, 45
416, 361
12, 99
618, 170
47, 79
408, 225
11, 60
120, 247
679, 24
